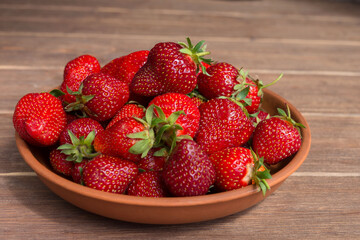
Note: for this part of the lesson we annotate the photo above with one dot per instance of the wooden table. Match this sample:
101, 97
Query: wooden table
316, 44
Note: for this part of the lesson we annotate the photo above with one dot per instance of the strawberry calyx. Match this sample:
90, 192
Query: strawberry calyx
256, 82
79, 106
146, 138
238, 101
197, 54
260, 173
79, 148
286, 116
166, 129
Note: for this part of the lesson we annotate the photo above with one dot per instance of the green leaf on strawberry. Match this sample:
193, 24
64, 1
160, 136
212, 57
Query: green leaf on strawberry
261, 173
79, 148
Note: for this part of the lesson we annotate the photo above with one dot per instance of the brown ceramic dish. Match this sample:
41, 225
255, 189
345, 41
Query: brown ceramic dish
168, 210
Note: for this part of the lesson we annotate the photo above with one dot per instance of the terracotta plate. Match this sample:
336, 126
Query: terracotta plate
167, 210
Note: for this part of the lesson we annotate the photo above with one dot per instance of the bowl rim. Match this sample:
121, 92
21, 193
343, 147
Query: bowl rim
45, 173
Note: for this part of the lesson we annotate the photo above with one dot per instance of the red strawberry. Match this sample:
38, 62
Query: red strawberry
250, 91
100, 97
128, 110
39, 118
125, 67
119, 139
59, 163
151, 162
90, 62
188, 171
109, 174
173, 102
77, 139
277, 138
259, 116
72, 80
147, 184
236, 168
222, 124
170, 67
70, 117
233, 167
220, 81
80, 127
77, 171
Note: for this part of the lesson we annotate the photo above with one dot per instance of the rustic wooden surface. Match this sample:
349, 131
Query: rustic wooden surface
316, 44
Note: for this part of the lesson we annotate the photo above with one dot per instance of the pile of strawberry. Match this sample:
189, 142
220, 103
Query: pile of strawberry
164, 122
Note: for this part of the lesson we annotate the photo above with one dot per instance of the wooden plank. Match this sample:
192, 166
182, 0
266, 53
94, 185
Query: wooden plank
146, 21
23, 49
301, 204
312, 10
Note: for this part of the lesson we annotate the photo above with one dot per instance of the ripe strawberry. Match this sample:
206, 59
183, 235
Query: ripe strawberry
80, 127
236, 167
277, 138
39, 118
170, 67
220, 81
188, 171
73, 79
127, 138
100, 97
128, 110
125, 67
59, 163
174, 102
90, 62
151, 162
233, 167
147, 184
109, 174
222, 124
259, 116
70, 117
78, 170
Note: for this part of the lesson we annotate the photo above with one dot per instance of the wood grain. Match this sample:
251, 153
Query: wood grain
316, 44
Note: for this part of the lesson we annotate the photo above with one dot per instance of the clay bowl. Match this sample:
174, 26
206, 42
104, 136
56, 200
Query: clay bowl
167, 210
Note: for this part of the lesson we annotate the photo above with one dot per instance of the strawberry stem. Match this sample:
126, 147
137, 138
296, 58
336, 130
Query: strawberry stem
197, 54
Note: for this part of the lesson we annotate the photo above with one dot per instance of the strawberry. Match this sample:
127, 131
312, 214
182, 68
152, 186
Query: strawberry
39, 118
188, 171
75, 72
127, 138
109, 174
233, 167
77, 139
220, 81
72, 81
125, 67
128, 110
173, 102
147, 184
259, 116
59, 163
80, 127
236, 167
77, 171
277, 138
151, 162
250, 91
100, 97
170, 67
90, 62
222, 124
